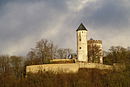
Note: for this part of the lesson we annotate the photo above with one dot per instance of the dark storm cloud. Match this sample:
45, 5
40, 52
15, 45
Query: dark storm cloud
111, 13
27, 18
110, 21
23, 22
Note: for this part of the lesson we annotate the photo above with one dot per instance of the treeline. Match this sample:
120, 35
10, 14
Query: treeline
13, 74
42, 53
117, 54
46, 50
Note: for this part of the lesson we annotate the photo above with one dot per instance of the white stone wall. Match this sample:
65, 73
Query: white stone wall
56, 68
66, 68
101, 57
82, 45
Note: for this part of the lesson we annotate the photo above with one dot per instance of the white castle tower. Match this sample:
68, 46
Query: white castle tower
82, 52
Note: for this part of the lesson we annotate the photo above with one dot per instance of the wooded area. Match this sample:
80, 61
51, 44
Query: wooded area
13, 74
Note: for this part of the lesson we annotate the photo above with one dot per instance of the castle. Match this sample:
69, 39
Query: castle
88, 50
89, 55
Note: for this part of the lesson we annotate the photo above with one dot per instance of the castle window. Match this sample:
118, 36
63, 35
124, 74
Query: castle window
79, 39
79, 47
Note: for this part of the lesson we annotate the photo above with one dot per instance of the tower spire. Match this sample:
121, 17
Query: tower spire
81, 27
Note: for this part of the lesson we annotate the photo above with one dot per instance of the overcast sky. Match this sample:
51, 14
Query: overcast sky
24, 22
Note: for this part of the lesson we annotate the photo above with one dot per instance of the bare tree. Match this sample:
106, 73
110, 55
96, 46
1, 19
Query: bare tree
64, 53
32, 58
118, 54
94, 53
17, 65
4, 64
61, 53
44, 51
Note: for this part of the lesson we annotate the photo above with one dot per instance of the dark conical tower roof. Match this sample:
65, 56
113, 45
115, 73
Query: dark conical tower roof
81, 27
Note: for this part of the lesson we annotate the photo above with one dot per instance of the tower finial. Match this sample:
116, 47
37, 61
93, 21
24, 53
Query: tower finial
91, 38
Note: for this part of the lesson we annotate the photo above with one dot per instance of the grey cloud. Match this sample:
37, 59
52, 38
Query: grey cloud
23, 22
108, 20
111, 13
29, 19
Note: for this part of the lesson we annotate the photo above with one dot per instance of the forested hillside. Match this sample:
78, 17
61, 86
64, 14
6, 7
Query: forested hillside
13, 74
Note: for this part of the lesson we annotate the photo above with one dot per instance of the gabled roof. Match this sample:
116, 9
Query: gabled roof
81, 27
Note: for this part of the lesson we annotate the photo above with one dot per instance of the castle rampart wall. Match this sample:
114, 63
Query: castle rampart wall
94, 41
67, 68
